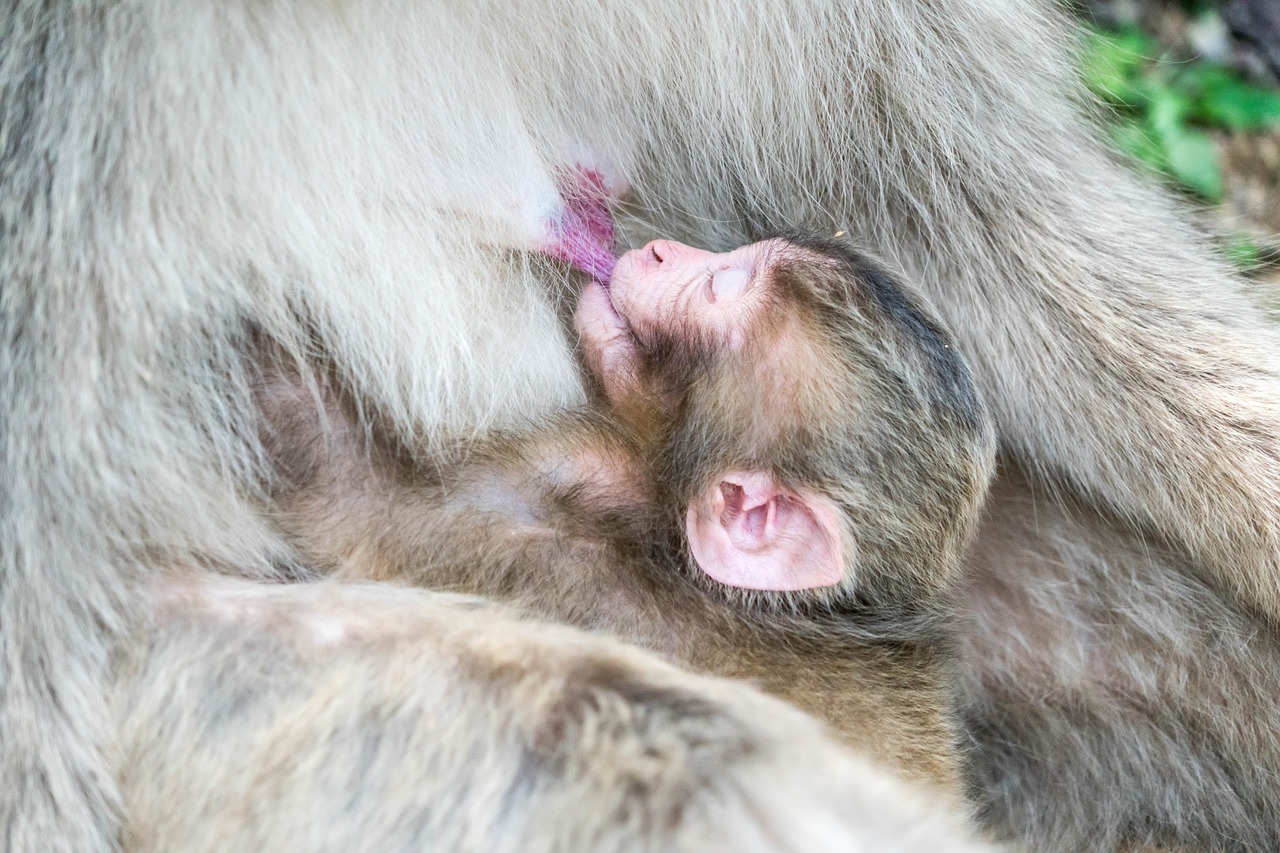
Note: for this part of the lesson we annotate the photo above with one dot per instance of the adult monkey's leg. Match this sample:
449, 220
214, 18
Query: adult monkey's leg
344, 716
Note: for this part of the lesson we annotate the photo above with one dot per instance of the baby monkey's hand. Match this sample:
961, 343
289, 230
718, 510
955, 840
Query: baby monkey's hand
608, 345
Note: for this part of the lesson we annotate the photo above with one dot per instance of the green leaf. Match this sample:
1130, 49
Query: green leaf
1160, 103
1168, 110
1220, 98
1133, 138
1111, 65
1243, 251
1189, 154
1193, 160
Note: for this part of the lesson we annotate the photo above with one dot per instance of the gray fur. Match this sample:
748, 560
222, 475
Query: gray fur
348, 179
373, 717
1101, 669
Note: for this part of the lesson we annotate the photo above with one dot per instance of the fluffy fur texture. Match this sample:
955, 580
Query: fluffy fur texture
581, 519
347, 178
1099, 668
470, 731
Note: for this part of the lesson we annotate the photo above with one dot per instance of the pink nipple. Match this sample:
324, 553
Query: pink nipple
583, 235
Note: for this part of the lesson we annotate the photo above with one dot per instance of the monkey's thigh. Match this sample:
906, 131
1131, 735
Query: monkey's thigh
1113, 698
362, 716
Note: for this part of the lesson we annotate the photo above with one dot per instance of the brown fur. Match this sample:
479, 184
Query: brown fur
1102, 668
358, 181
579, 520
368, 716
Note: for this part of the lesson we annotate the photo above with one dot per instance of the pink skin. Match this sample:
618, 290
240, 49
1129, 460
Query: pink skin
745, 530
749, 533
667, 285
583, 233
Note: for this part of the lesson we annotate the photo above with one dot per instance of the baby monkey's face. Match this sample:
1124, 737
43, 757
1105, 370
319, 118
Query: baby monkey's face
815, 423
714, 343
671, 303
667, 287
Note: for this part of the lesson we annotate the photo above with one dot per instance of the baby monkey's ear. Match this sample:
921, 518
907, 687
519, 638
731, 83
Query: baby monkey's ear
747, 531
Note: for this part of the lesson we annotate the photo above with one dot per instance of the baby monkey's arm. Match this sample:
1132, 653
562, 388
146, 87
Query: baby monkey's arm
547, 520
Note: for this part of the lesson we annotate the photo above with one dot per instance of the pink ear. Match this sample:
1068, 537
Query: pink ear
747, 532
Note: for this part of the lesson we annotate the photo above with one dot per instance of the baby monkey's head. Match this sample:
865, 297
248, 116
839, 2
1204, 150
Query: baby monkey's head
814, 421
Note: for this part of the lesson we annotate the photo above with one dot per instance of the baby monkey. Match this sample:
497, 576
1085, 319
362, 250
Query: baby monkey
783, 470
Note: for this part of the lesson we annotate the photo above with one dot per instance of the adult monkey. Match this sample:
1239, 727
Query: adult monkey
344, 178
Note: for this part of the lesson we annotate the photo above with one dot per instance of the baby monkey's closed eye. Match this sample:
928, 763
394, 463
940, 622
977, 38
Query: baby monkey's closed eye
833, 368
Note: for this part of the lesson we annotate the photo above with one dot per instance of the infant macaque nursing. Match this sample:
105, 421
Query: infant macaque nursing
788, 461
815, 424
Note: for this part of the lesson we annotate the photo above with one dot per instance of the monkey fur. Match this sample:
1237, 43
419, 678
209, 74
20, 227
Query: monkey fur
361, 184
581, 520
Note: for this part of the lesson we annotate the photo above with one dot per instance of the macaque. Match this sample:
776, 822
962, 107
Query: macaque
788, 470
362, 185
344, 716
1097, 662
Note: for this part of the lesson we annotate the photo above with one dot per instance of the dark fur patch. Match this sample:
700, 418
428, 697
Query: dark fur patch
889, 298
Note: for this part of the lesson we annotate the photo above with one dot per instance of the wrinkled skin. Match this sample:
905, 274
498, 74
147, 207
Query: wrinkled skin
662, 287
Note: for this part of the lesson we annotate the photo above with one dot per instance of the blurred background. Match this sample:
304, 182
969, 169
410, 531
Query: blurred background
1194, 91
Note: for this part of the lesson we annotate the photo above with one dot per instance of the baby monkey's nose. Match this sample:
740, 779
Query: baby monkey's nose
659, 250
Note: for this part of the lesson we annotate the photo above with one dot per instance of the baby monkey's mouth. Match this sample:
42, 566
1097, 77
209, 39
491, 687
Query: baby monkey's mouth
611, 306
624, 325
